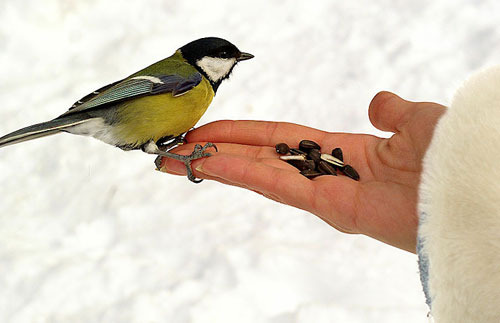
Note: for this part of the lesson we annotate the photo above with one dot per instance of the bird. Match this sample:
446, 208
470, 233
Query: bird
153, 108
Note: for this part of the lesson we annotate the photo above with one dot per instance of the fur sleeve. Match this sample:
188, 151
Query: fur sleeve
459, 206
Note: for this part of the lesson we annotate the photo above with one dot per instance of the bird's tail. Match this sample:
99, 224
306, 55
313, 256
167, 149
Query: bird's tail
38, 130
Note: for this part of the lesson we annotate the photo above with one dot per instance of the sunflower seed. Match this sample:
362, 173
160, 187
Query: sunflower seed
303, 164
350, 172
314, 154
282, 148
332, 160
337, 153
293, 157
307, 145
326, 168
295, 151
309, 173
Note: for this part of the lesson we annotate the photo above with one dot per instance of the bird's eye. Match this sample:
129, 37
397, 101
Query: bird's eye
224, 54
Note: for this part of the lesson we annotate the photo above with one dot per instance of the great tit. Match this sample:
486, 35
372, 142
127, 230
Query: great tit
153, 108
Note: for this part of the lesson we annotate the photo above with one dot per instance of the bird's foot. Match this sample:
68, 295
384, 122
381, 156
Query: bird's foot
198, 152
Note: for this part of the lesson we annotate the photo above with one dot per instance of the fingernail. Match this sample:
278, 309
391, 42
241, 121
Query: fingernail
169, 170
200, 169
170, 167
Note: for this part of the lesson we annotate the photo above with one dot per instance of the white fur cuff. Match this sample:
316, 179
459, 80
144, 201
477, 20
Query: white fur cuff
459, 206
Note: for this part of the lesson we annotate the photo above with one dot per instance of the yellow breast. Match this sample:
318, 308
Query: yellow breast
158, 116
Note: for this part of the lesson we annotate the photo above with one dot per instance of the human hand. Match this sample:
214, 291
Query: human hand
382, 205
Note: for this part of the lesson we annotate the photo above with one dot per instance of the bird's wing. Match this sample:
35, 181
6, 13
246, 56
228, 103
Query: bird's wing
135, 87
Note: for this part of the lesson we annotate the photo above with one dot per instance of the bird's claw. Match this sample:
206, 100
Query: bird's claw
198, 152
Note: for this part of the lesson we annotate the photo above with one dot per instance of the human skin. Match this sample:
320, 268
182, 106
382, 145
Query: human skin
382, 205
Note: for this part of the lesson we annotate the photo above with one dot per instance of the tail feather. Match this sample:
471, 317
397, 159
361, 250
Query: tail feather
38, 130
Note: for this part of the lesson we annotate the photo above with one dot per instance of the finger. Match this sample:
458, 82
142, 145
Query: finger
261, 133
264, 154
286, 186
265, 175
231, 148
388, 111
176, 167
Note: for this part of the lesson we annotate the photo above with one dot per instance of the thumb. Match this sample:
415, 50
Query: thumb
387, 111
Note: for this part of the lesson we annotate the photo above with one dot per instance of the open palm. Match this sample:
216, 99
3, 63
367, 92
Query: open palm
381, 205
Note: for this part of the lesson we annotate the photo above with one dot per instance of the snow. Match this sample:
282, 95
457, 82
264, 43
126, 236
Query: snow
89, 233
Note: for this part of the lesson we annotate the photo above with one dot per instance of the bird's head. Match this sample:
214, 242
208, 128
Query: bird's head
214, 57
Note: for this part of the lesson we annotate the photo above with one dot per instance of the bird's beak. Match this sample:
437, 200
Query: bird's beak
244, 57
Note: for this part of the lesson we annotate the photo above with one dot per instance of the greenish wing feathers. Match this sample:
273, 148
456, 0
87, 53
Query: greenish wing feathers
92, 95
135, 87
123, 90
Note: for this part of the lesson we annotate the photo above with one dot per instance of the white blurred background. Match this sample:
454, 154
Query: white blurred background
89, 233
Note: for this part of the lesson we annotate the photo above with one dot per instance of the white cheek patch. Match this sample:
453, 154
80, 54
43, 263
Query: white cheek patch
216, 68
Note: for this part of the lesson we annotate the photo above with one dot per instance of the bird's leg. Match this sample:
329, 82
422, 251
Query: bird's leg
198, 152
167, 143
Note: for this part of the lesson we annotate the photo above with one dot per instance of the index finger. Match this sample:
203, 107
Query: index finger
268, 133
259, 133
